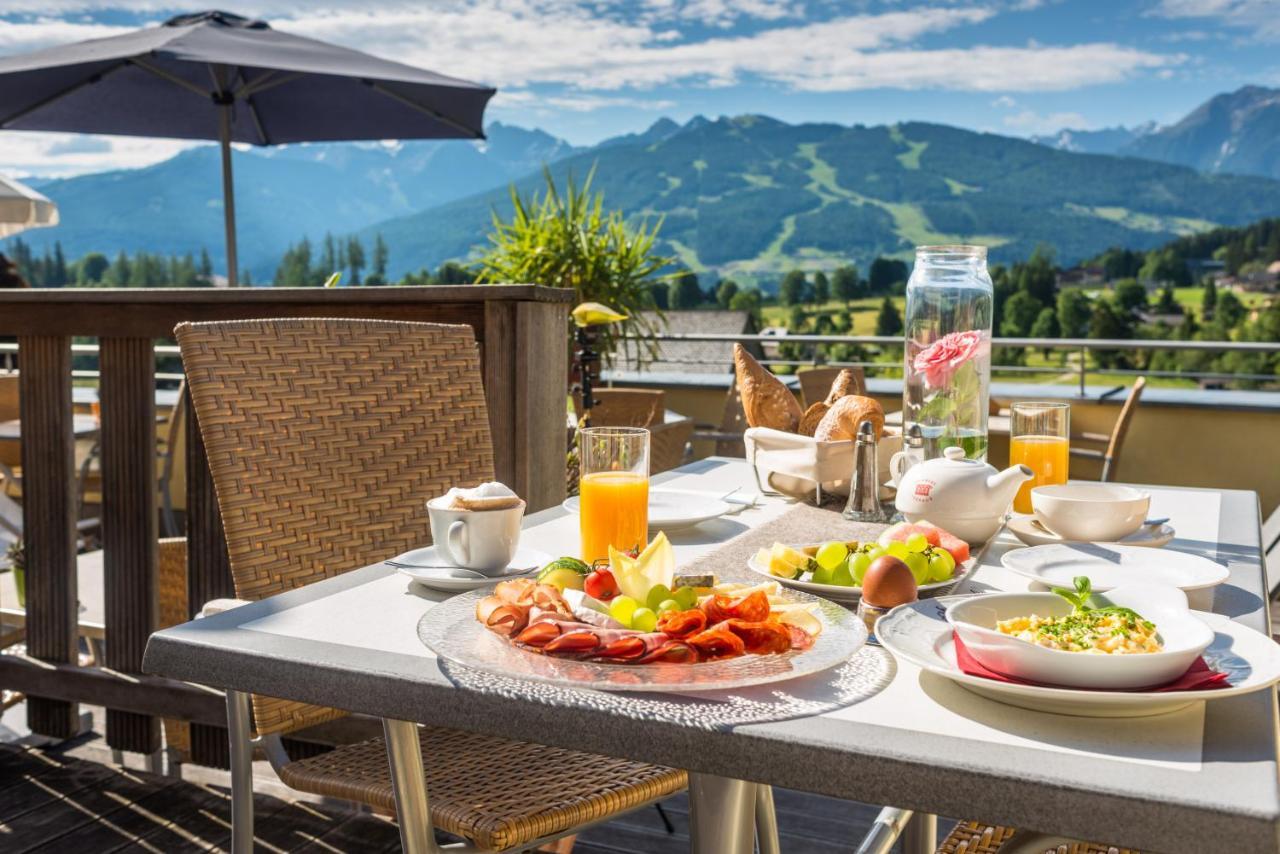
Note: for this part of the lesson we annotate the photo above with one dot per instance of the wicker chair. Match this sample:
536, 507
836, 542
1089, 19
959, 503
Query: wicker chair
1111, 456
815, 383
324, 436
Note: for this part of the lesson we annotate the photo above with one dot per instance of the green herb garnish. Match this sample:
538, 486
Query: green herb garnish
1079, 599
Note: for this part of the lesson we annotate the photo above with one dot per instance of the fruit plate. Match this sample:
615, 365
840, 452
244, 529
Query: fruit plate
919, 634
451, 631
840, 593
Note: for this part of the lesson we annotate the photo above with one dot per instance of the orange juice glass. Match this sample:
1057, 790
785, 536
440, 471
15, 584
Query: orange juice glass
614, 489
1039, 439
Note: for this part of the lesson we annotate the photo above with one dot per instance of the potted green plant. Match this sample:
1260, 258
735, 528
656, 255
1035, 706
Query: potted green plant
16, 557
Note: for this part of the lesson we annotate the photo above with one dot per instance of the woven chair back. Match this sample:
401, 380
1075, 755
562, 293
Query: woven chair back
1121, 429
325, 437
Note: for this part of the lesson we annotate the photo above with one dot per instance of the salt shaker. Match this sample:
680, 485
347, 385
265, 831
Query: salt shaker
864, 487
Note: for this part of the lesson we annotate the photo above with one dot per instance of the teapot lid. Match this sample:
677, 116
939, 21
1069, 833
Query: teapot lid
956, 455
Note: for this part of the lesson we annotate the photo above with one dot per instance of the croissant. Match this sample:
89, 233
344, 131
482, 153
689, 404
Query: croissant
766, 400
842, 419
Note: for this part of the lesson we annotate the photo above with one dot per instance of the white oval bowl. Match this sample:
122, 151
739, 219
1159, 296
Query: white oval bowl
1090, 512
1184, 637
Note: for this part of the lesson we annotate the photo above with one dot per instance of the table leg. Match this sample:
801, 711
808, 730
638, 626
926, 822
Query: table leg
920, 836
766, 821
404, 753
241, 772
722, 813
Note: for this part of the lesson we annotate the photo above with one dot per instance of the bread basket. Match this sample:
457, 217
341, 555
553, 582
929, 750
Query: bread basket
800, 466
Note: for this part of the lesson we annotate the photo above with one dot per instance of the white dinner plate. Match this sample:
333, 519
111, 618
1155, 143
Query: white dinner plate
1109, 565
672, 510
919, 633
429, 573
851, 595
1031, 532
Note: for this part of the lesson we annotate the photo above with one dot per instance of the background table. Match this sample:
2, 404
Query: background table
1203, 778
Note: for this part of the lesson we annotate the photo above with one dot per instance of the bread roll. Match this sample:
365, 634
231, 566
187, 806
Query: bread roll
812, 416
842, 419
842, 387
766, 401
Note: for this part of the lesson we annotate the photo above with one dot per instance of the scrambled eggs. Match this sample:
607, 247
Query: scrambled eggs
1115, 631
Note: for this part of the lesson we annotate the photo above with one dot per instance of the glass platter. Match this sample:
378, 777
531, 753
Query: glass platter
452, 632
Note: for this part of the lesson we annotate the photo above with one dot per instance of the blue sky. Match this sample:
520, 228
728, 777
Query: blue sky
588, 69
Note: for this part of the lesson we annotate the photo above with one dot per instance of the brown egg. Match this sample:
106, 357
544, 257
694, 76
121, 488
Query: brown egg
888, 583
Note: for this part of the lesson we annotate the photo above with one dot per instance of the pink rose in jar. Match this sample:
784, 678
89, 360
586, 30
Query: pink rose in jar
941, 359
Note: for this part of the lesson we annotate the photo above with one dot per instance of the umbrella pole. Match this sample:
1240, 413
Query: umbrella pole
228, 194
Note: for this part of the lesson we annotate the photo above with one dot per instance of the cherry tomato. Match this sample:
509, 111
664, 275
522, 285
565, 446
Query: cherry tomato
601, 585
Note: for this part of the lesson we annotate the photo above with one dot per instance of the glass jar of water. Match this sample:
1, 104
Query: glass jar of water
948, 349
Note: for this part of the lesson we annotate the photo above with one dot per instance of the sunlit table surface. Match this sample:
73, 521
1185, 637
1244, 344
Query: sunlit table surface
84, 426
1200, 779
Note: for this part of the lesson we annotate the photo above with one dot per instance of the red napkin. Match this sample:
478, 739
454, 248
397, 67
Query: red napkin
1197, 678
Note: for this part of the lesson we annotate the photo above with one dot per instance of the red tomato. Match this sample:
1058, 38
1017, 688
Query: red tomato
601, 585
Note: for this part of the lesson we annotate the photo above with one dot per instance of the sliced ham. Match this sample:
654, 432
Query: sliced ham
575, 642
800, 639
682, 624
671, 652
754, 608
501, 617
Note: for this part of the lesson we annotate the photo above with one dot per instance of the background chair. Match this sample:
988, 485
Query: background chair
1115, 441
625, 407
323, 442
815, 383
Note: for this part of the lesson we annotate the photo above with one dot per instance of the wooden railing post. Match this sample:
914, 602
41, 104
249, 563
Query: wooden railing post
49, 518
208, 570
129, 528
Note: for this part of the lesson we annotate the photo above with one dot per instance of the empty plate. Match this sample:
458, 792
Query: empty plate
1109, 565
431, 569
672, 510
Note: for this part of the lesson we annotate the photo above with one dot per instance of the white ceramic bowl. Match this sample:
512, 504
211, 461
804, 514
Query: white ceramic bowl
1090, 512
1184, 637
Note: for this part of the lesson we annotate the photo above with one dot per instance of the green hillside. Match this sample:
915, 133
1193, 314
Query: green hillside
753, 197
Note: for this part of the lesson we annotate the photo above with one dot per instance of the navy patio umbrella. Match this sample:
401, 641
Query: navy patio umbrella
218, 76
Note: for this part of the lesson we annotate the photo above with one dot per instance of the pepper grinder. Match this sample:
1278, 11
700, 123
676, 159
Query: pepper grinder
864, 489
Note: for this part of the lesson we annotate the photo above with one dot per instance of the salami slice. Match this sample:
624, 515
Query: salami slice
682, 624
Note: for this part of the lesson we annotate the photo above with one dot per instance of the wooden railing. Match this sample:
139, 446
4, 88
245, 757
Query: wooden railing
521, 333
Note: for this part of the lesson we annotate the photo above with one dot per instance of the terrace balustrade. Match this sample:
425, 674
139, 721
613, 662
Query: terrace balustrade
521, 333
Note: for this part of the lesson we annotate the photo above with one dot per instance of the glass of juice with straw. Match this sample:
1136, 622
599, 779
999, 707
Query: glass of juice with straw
1039, 437
613, 490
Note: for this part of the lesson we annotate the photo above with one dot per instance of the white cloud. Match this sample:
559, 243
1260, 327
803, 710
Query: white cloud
1261, 18
577, 102
1029, 122
1004, 102
24, 36
61, 154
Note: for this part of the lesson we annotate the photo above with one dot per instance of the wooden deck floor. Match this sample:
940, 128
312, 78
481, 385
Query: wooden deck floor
62, 800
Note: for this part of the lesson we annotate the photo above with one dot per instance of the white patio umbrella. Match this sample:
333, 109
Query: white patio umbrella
22, 207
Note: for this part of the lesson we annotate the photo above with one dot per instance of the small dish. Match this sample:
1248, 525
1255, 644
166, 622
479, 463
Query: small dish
1029, 530
1112, 565
430, 568
1090, 512
1183, 637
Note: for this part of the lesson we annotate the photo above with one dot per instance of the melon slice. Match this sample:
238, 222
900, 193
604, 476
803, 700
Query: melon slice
902, 530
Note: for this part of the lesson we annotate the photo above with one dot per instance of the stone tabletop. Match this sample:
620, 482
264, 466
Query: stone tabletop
1202, 778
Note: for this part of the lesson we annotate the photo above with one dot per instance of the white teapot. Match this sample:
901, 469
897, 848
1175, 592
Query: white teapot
966, 497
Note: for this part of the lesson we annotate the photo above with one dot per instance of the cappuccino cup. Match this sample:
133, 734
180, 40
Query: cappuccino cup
483, 540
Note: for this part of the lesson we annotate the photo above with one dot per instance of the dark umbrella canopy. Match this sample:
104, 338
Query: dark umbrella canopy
218, 76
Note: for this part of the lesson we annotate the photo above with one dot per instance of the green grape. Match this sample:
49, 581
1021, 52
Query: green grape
644, 620
831, 554
917, 543
621, 609
941, 565
822, 575
898, 550
658, 594
668, 605
919, 566
858, 565
687, 597
876, 552
842, 575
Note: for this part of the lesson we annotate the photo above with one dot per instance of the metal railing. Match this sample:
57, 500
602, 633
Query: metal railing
1081, 346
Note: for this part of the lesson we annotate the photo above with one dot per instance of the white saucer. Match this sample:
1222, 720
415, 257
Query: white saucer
673, 510
1030, 531
1110, 565
918, 633
526, 561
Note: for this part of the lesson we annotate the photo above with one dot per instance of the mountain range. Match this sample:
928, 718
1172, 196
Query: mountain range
1236, 132
748, 196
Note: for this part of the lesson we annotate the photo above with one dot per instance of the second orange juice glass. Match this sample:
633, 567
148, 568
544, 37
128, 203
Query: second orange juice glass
614, 489
1039, 439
